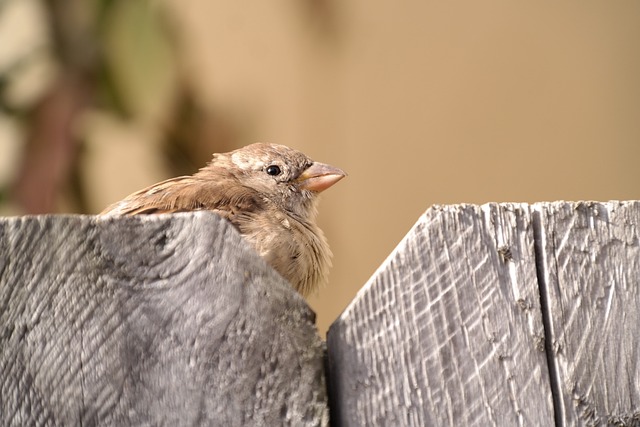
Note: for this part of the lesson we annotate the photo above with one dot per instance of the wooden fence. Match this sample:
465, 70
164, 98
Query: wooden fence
501, 314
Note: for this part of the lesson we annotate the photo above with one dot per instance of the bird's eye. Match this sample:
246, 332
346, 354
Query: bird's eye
273, 170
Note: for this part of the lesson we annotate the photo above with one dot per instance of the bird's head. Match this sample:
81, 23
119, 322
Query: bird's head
285, 176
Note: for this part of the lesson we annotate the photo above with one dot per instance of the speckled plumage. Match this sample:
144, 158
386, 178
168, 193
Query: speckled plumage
274, 212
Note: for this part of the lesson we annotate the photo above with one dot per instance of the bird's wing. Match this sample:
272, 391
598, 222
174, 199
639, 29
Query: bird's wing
189, 193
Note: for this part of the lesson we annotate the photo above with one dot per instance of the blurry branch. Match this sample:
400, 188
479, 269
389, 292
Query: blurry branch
107, 51
118, 59
51, 147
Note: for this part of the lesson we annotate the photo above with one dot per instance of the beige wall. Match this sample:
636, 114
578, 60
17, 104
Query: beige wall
427, 102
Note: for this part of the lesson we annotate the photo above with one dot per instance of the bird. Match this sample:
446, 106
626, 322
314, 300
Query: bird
269, 192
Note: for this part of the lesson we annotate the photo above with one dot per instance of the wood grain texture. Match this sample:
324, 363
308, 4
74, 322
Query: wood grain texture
169, 320
449, 330
590, 271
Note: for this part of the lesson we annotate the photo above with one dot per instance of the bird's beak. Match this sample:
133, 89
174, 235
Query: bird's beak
318, 177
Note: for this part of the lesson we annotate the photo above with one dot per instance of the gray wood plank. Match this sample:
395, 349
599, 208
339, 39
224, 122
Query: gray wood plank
590, 270
169, 320
449, 330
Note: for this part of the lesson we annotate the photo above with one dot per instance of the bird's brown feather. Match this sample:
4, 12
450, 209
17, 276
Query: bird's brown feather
189, 193
275, 213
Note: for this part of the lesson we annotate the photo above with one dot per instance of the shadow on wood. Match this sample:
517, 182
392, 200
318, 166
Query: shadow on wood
168, 320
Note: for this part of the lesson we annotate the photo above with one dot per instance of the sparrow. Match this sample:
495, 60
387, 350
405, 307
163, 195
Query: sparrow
268, 192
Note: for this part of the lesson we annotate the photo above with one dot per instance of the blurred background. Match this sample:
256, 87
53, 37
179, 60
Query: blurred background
420, 102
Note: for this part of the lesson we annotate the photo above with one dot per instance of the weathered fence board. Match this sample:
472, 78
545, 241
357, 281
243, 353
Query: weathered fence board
449, 330
502, 314
168, 320
590, 271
